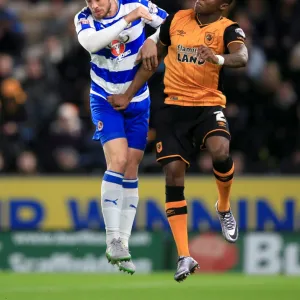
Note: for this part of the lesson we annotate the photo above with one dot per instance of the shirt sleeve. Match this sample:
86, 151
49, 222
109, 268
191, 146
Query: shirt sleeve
164, 35
158, 14
82, 22
234, 34
93, 40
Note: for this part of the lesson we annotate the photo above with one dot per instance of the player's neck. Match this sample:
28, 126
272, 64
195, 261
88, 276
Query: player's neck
207, 19
113, 9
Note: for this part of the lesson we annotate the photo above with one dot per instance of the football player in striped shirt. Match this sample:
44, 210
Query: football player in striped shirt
113, 32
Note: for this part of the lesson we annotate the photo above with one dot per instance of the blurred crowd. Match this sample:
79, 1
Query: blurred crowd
45, 122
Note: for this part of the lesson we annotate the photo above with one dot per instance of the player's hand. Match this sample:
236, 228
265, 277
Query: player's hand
119, 102
148, 55
207, 54
138, 13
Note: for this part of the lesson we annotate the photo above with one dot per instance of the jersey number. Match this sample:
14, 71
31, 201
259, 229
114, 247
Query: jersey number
220, 116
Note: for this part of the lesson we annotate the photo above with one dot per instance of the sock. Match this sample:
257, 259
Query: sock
130, 204
111, 203
223, 171
176, 211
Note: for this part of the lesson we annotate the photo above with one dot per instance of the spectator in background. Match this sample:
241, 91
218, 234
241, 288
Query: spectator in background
257, 58
262, 24
6, 66
64, 141
11, 32
287, 28
42, 87
12, 111
282, 135
27, 164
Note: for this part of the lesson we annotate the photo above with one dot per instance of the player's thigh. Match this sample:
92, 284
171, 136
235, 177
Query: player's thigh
213, 124
109, 130
173, 135
137, 124
136, 130
109, 123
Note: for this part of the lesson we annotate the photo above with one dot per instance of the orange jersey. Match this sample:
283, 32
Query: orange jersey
190, 81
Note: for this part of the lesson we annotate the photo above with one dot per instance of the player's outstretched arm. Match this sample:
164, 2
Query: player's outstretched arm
120, 102
237, 58
158, 14
234, 41
93, 40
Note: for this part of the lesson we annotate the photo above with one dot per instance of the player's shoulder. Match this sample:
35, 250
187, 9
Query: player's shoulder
181, 16
83, 14
231, 27
184, 13
225, 22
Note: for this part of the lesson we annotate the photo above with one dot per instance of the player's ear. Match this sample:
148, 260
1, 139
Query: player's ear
224, 6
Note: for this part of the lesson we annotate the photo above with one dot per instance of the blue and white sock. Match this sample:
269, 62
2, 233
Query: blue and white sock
130, 204
111, 203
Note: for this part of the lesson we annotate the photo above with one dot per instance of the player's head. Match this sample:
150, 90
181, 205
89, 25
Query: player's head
208, 7
99, 8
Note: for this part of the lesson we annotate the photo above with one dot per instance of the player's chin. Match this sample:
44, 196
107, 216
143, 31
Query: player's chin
202, 10
99, 15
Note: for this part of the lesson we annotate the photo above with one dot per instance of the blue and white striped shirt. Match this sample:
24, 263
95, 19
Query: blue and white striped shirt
113, 67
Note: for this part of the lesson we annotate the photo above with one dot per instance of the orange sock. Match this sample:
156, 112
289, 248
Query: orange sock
224, 182
176, 211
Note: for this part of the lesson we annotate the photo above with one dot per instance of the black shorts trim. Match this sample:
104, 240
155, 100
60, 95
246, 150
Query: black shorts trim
169, 158
215, 132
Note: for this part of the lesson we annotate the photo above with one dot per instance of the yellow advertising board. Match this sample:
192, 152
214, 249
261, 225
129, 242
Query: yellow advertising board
67, 203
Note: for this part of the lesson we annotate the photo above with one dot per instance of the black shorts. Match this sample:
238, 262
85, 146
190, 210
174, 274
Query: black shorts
181, 129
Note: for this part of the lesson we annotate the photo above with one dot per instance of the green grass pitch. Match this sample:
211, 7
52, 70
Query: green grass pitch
157, 286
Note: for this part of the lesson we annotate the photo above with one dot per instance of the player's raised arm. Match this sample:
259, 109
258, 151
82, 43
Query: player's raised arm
148, 53
158, 14
237, 56
120, 102
93, 40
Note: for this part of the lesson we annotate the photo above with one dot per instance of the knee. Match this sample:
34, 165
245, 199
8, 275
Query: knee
118, 163
174, 174
132, 168
220, 152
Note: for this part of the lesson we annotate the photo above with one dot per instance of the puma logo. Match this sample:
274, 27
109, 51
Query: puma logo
111, 201
131, 205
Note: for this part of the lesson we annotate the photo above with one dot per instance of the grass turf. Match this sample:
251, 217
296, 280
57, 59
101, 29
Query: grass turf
157, 286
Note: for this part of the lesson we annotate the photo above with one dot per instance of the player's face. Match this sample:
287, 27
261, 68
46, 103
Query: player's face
207, 7
99, 8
